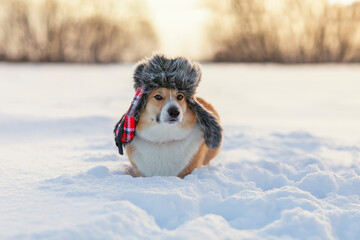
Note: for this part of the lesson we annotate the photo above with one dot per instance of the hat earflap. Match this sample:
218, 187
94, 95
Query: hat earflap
140, 106
208, 124
125, 129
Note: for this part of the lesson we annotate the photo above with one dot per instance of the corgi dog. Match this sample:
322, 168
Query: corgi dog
174, 131
169, 141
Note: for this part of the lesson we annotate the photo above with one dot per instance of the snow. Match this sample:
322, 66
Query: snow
289, 167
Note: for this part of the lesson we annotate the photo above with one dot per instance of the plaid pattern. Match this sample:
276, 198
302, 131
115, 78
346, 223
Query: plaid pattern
125, 129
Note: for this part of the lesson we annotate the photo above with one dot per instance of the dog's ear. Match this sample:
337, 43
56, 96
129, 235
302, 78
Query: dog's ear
208, 124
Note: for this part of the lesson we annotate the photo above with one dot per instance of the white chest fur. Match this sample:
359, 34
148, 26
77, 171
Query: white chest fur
167, 158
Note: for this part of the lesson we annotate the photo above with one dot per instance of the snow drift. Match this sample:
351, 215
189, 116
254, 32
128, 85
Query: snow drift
61, 176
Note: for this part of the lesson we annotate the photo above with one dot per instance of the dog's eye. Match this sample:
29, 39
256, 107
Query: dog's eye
180, 97
158, 97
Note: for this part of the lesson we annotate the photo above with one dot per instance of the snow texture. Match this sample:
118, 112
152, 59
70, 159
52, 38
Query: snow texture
289, 167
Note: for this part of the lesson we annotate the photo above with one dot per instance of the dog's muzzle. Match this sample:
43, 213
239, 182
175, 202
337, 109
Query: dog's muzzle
171, 113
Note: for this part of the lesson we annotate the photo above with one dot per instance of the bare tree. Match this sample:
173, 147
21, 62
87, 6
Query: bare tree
50, 31
294, 31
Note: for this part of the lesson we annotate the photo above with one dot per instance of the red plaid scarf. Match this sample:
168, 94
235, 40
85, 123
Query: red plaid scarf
125, 129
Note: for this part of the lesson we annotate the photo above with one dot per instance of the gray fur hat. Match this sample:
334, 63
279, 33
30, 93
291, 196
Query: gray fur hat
182, 75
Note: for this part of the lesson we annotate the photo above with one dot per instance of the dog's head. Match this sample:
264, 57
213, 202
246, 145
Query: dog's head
167, 106
167, 109
166, 116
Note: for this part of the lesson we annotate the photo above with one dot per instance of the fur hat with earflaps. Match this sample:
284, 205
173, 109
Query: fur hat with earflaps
162, 72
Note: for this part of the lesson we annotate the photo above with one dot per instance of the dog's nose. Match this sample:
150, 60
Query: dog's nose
173, 112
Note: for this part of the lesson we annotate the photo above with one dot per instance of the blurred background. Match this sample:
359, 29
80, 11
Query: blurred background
109, 31
282, 74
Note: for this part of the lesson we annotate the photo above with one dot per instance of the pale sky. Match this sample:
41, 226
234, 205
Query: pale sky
179, 24
343, 1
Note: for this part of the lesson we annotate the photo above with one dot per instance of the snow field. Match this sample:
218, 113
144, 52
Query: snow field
61, 176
